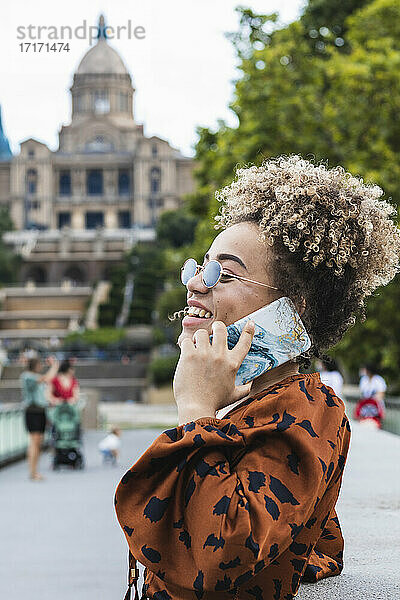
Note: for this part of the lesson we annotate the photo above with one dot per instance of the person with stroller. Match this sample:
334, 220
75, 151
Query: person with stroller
35, 402
64, 386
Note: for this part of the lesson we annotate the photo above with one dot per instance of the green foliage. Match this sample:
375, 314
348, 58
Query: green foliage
377, 340
176, 228
162, 369
9, 262
100, 338
147, 263
171, 301
330, 15
109, 311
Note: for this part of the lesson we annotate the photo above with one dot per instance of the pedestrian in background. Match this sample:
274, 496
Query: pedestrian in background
372, 387
331, 376
35, 402
110, 446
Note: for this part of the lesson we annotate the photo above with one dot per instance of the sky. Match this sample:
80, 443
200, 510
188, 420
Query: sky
183, 68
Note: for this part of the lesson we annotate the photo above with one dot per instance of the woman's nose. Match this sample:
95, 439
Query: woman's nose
195, 284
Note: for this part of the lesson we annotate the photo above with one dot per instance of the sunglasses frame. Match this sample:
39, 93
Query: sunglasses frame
221, 273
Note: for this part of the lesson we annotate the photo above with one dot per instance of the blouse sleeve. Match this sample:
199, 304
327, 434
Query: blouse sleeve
225, 501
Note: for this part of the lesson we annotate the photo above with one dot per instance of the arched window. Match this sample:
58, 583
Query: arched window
99, 144
74, 274
36, 274
101, 102
31, 181
155, 180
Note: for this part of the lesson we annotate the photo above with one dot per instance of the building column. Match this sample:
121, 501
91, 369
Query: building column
110, 220
78, 219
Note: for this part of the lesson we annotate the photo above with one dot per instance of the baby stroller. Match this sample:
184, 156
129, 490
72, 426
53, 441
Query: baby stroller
67, 436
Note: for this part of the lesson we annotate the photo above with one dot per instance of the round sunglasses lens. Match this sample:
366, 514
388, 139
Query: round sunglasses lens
211, 273
188, 270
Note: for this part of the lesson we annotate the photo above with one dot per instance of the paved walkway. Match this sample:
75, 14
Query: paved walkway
59, 539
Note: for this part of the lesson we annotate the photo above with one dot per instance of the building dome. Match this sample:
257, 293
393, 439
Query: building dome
102, 59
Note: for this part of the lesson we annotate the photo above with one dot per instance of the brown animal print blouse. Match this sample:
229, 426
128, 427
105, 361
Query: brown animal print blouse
241, 507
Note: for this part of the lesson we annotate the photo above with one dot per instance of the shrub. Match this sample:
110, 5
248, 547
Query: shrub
162, 369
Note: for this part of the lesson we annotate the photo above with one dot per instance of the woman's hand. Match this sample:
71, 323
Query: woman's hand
205, 375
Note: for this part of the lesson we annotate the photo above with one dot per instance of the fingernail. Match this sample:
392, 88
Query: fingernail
250, 325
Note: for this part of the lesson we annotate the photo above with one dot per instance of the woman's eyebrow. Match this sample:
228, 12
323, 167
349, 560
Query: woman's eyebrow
224, 256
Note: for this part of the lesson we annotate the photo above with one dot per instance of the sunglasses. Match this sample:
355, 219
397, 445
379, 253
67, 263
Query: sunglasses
212, 273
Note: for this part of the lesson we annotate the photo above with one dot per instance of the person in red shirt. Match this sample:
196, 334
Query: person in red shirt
64, 386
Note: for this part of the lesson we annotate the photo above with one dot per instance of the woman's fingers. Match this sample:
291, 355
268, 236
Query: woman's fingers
241, 391
201, 338
219, 336
243, 346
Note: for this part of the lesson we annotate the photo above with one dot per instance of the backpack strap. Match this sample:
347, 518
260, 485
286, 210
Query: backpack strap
133, 576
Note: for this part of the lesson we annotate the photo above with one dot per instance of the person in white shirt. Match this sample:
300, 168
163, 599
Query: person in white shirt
331, 376
110, 446
373, 385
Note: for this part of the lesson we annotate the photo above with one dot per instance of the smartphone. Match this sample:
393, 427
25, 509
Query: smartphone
279, 336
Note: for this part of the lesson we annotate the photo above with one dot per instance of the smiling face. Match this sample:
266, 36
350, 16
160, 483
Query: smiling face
231, 299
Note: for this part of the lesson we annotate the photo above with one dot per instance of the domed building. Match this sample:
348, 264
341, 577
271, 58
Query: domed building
76, 210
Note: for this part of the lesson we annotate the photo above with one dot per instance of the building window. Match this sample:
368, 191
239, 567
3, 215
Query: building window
94, 219
124, 182
155, 180
154, 150
79, 103
156, 203
101, 102
31, 153
33, 205
65, 183
123, 102
64, 219
124, 219
31, 181
94, 182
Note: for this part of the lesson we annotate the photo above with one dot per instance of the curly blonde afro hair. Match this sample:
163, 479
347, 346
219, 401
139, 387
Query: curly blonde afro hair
332, 238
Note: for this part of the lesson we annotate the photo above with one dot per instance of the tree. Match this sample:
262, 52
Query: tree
147, 263
9, 262
326, 23
176, 228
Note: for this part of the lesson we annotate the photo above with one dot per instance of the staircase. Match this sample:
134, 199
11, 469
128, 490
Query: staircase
40, 312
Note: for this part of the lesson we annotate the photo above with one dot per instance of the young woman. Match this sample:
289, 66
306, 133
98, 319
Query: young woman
35, 402
240, 504
64, 386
